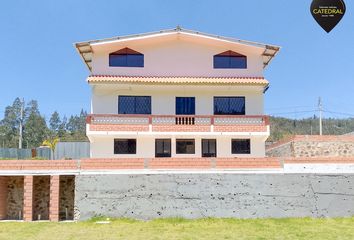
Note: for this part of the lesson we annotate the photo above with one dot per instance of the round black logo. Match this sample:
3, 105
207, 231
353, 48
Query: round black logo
327, 13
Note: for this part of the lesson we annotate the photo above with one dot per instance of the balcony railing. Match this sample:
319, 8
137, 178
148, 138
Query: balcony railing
159, 123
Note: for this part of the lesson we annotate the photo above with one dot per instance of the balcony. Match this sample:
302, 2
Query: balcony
177, 123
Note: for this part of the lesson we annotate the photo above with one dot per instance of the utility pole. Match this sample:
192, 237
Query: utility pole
21, 124
320, 113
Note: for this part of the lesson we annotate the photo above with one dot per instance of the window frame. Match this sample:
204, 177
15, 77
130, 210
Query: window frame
177, 108
229, 97
116, 140
126, 53
234, 149
231, 58
134, 112
180, 140
163, 155
208, 154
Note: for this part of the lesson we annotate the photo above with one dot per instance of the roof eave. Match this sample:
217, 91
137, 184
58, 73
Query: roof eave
269, 50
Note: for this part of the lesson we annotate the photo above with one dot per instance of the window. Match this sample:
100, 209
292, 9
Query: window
230, 59
134, 105
185, 146
229, 105
126, 57
124, 146
163, 148
241, 146
208, 147
185, 105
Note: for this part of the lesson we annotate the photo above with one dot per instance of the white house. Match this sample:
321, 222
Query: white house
176, 94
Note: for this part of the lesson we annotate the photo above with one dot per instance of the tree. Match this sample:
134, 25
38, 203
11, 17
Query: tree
11, 124
35, 127
62, 127
51, 143
54, 123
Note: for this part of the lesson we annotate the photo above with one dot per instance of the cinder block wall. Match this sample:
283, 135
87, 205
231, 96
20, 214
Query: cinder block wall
214, 195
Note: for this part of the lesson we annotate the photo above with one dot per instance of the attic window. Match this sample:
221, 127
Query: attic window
126, 57
230, 59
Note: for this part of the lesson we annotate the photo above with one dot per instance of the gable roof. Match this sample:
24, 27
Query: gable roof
85, 49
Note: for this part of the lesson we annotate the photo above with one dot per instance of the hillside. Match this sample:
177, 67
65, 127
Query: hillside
281, 127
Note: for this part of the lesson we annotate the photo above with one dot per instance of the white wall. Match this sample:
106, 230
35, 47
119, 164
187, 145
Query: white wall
105, 97
103, 146
177, 55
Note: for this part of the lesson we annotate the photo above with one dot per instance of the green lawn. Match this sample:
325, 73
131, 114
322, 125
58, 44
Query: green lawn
306, 228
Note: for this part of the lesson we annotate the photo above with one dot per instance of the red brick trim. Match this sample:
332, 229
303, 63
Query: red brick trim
322, 160
181, 128
240, 128
27, 198
111, 163
251, 163
119, 127
54, 198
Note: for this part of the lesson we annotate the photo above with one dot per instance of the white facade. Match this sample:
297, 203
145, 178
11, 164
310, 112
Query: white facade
175, 54
105, 97
103, 146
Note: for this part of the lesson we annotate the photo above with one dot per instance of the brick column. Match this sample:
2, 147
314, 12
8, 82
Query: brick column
3, 198
27, 198
54, 198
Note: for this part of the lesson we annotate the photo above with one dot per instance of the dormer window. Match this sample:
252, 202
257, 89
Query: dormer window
230, 59
126, 57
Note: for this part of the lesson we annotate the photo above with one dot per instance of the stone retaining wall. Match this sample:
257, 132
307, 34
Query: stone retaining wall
41, 185
66, 197
14, 198
313, 146
189, 195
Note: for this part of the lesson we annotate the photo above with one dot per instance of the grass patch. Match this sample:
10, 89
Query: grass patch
176, 228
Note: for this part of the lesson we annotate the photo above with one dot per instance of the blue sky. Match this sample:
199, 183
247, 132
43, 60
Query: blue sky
38, 60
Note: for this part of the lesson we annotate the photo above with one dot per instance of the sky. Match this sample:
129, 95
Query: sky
38, 60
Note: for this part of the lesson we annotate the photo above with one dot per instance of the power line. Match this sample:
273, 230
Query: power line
294, 112
339, 113
291, 107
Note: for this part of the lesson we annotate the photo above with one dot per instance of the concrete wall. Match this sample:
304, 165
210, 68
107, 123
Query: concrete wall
176, 55
215, 195
103, 146
105, 97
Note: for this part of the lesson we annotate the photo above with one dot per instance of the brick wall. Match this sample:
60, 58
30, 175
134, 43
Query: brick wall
240, 128
119, 127
54, 198
28, 198
178, 128
38, 165
181, 128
